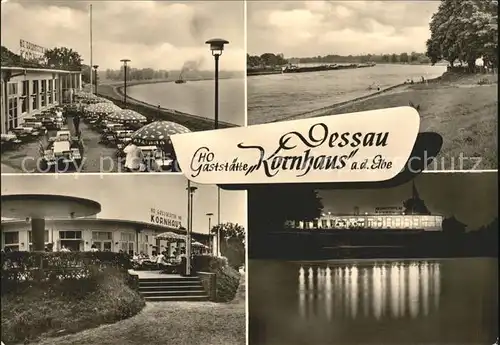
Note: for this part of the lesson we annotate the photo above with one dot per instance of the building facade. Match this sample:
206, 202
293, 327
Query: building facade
28, 91
374, 221
106, 234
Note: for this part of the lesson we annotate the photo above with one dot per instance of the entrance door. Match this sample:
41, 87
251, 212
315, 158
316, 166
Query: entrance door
72, 245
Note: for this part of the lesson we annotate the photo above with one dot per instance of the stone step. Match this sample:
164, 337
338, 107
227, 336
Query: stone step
167, 287
163, 280
156, 283
198, 298
173, 293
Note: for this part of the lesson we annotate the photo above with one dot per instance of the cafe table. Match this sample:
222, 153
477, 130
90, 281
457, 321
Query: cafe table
60, 146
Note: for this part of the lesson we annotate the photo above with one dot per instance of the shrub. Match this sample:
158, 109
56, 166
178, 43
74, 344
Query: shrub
18, 268
228, 282
228, 279
208, 263
67, 306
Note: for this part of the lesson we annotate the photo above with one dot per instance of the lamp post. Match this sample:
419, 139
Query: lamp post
125, 61
209, 215
190, 191
95, 77
217, 47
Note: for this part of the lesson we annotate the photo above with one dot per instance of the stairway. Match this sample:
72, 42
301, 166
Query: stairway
172, 289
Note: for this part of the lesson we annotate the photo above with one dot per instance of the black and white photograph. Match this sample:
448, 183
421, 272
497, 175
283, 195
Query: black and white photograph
412, 264
121, 259
319, 58
101, 86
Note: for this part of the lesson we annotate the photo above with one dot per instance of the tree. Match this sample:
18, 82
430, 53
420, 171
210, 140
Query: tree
464, 30
9, 58
404, 58
232, 242
452, 225
62, 57
269, 208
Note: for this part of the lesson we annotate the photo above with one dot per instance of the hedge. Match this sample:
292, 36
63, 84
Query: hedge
227, 278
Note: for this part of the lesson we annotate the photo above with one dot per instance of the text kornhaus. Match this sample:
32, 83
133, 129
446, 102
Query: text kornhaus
317, 136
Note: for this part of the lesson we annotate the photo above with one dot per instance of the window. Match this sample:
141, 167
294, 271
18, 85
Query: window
43, 93
407, 223
324, 223
70, 235
102, 235
56, 90
13, 112
12, 89
11, 238
50, 89
25, 97
34, 95
46, 238
127, 244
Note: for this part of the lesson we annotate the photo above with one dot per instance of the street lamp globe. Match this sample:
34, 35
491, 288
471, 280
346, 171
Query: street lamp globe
217, 45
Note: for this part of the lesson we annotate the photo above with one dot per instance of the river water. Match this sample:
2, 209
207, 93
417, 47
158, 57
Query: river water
374, 302
197, 98
278, 96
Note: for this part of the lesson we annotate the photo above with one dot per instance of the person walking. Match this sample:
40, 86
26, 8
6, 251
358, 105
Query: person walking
76, 123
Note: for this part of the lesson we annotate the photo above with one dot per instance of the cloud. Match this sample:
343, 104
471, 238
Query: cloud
157, 34
310, 28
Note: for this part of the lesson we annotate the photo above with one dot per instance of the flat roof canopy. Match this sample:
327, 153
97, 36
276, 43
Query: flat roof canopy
47, 206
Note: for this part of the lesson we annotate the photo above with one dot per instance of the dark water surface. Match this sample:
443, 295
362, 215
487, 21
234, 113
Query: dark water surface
445, 301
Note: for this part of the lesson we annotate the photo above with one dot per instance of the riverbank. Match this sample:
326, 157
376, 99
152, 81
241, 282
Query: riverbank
114, 92
461, 108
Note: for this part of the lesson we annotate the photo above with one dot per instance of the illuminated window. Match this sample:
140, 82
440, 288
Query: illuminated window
324, 223
407, 223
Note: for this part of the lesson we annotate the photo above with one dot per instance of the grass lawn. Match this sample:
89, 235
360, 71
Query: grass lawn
170, 323
461, 111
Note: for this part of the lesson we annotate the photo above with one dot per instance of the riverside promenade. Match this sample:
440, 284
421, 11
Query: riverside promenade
114, 92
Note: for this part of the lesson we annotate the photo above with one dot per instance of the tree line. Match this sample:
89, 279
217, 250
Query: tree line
277, 60
464, 31
136, 74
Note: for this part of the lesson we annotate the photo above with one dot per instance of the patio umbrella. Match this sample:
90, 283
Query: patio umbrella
126, 116
102, 108
198, 244
157, 133
170, 236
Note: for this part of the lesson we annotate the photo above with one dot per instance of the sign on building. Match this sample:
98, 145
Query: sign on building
159, 217
31, 52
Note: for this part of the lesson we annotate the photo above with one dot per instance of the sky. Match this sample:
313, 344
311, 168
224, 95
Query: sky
152, 34
471, 197
312, 28
131, 196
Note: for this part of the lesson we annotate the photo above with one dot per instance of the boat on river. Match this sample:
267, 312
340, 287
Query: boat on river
322, 68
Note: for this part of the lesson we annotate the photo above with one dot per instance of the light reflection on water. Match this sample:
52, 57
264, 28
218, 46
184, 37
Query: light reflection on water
392, 290
373, 302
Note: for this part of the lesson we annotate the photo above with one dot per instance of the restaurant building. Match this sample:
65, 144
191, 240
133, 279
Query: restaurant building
106, 234
416, 218
28, 91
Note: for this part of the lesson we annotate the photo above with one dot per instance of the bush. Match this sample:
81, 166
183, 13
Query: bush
67, 306
228, 279
19, 268
228, 282
208, 263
